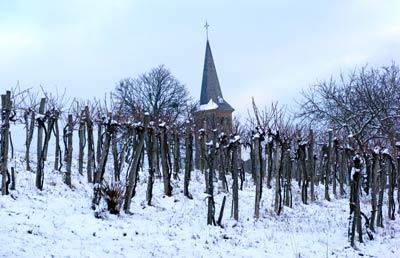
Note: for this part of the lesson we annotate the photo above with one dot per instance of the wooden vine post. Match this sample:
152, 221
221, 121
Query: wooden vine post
328, 165
40, 161
68, 152
189, 158
90, 145
5, 128
235, 175
210, 186
257, 174
134, 167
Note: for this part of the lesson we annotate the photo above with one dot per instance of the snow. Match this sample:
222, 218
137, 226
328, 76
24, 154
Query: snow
386, 151
58, 222
236, 138
40, 116
114, 122
354, 171
209, 106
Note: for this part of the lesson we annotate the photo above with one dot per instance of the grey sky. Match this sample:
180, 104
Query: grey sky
266, 49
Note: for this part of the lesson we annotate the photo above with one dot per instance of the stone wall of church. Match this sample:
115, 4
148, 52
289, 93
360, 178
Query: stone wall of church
211, 119
214, 119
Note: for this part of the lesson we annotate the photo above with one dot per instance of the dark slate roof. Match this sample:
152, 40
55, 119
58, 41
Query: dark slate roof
210, 88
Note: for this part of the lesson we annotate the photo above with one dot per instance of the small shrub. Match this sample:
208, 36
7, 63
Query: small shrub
113, 194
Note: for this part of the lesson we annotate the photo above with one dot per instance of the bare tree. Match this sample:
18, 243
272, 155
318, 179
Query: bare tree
157, 92
365, 104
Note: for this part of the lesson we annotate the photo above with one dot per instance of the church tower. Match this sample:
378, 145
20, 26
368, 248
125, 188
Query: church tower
214, 110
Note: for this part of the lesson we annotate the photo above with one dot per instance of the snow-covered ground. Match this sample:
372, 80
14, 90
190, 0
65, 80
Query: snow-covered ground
58, 222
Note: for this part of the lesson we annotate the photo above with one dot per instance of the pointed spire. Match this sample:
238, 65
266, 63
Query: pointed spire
210, 88
206, 26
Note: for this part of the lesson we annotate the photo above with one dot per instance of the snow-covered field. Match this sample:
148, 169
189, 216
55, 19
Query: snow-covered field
58, 222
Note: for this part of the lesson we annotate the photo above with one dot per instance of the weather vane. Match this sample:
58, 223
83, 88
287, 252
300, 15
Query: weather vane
206, 26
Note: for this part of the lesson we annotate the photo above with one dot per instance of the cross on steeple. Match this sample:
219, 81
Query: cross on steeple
206, 26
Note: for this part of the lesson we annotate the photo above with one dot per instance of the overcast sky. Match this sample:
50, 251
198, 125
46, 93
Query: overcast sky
266, 49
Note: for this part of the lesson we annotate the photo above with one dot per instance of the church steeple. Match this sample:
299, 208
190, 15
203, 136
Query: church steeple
210, 88
214, 112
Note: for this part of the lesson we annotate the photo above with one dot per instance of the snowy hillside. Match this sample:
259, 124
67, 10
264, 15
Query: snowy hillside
58, 222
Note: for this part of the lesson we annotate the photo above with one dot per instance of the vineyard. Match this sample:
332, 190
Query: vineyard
135, 173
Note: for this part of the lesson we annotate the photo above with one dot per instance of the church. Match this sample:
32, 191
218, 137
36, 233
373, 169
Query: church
214, 111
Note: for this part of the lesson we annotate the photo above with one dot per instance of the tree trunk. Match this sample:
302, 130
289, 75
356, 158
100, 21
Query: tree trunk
368, 169
278, 160
40, 161
50, 127
114, 150
304, 178
269, 150
57, 151
322, 164
134, 167
235, 186
221, 152
90, 145
374, 189
287, 174
343, 169
99, 174
12, 187
210, 187
152, 159
335, 166
355, 212
242, 172
398, 179
328, 166
99, 142
203, 153
177, 153
391, 172
30, 128
82, 141
188, 163
257, 175
311, 165
166, 169
5, 128
382, 183
69, 150
252, 161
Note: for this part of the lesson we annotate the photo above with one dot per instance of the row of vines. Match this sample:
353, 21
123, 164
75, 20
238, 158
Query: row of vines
281, 155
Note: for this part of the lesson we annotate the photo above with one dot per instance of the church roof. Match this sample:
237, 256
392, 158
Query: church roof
210, 89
